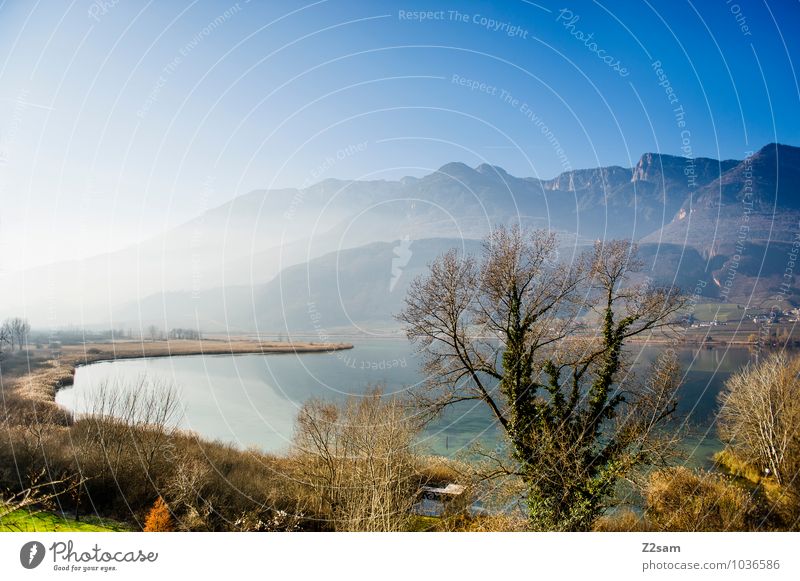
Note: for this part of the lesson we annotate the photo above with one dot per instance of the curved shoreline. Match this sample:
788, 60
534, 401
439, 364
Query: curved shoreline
42, 381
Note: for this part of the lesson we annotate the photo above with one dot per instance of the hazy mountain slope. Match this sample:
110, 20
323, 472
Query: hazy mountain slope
363, 286
249, 240
358, 289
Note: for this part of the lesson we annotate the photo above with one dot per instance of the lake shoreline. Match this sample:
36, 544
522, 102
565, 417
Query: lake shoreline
45, 376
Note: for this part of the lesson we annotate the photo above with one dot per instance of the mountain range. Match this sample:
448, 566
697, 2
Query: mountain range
340, 254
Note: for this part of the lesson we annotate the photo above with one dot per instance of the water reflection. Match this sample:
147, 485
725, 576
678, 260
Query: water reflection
252, 400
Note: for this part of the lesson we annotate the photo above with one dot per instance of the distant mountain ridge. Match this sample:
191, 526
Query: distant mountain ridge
687, 211
760, 196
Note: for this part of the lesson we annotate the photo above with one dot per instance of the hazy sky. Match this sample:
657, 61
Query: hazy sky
119, 118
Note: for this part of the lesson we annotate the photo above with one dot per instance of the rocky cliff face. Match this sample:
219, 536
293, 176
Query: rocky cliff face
583, 179
757, 198
768, 179
680, 172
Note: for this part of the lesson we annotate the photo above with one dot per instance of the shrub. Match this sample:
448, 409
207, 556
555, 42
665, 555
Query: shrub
759, 417
759, 420
159, 519
357, 461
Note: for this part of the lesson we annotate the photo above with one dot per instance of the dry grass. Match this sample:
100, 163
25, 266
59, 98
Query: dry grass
208, 486
624, 521
781, 500
42, 382
126, 349
735, 466
494, 523
680, 499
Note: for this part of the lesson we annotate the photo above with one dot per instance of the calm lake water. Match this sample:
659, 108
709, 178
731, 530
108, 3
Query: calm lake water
252, 400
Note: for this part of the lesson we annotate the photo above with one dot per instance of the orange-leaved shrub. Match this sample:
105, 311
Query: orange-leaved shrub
158, 519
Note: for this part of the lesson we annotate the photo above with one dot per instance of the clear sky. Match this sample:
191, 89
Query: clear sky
120, 118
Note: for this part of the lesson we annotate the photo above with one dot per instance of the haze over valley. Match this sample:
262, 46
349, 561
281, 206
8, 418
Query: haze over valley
339, 255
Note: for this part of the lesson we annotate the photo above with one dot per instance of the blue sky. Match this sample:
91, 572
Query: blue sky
120, 119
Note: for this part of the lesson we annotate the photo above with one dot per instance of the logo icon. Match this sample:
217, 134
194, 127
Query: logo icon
402, 254
31, 554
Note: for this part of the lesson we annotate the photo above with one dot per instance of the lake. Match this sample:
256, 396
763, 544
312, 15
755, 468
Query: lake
252, 400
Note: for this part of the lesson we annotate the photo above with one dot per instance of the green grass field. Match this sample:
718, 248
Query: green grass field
24, 521
723, 312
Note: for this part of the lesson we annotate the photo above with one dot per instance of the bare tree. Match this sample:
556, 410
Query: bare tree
185, 334
6, 337
514, 331
7, 333
15, 331
759, 417
357, 459
22, 329
154, 333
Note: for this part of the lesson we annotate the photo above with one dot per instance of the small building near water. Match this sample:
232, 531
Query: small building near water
439, 500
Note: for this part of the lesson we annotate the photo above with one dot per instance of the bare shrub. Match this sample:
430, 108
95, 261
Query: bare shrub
441, 470
121, 441
185, 487
214, 486
759, 417
357, 460
144, 414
